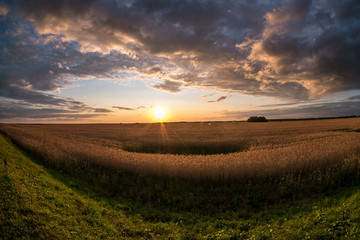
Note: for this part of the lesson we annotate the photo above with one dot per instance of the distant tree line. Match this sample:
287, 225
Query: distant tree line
257, 119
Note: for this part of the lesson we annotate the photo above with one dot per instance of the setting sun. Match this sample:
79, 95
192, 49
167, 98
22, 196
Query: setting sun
159, 114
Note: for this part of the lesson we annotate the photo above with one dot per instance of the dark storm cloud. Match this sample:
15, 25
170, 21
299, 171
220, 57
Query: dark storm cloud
296, 9
318, 48
354, 97
294, 50
30, 96
9, 111
334, 109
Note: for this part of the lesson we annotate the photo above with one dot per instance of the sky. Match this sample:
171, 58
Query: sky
103, 61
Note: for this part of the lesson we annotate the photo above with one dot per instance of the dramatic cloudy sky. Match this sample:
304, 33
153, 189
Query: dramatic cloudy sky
116, 61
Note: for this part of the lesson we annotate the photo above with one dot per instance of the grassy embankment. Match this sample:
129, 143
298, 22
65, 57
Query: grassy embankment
37, 202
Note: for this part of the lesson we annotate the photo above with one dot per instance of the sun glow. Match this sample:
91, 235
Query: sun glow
160, 114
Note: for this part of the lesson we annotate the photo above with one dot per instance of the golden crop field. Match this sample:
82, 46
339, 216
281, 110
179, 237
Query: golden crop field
217, 150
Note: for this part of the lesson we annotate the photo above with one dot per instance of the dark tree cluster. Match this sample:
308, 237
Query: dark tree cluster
257, 119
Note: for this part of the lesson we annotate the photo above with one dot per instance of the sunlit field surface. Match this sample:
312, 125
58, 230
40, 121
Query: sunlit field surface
226, 164
218, 150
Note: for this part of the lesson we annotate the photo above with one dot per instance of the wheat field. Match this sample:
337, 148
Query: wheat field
258, 150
